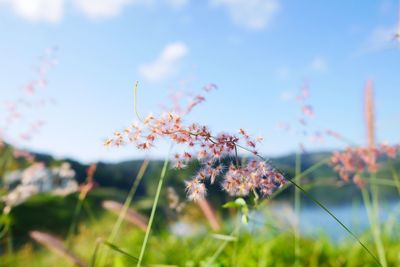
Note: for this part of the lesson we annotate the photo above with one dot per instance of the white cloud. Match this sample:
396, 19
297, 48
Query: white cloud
38, 10
380, 38
252, 14
177, 3
166, 64
318, 64
53, 10
103, 8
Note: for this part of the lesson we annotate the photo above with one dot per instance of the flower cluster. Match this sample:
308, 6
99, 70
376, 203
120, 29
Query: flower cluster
256, 175
208, 148
353, 161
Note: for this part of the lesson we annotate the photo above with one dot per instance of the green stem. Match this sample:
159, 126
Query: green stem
297, 204
217, 253
308, 195
153, 211
304, 173
222, 247
373, 219
134, 101
124, 210
128, 202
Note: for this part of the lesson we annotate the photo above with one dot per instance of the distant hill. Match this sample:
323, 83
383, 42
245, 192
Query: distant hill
121, 176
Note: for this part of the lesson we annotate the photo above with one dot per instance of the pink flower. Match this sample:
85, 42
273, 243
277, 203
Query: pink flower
196, 190
198, 140
352, 162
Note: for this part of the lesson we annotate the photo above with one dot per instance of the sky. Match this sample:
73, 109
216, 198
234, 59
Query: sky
259, 53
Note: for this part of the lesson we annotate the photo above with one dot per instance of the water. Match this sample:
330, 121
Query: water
314, 221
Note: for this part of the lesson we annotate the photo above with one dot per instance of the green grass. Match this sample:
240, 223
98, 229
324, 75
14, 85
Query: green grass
264, 247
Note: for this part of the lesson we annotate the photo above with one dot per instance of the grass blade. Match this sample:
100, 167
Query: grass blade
112, 246
153, 210
128, 201
308, 195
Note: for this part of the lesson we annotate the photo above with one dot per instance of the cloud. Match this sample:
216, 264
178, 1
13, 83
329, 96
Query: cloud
380, 38
251, 14
166, 64
52, 11
318, 64
38, 10
101, 8
112, 8
177, 4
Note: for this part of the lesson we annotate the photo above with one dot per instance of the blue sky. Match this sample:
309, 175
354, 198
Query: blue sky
258, 52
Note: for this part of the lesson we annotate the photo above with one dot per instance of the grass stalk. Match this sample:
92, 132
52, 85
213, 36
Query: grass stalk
122, 214
308, 195
307, 171
297, 206
222, 247
374, 223
128, 201
153, 211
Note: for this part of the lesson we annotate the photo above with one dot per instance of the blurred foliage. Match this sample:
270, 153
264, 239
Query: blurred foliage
263, 246
330, 189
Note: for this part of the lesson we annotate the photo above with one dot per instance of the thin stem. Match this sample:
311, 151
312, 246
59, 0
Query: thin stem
153, 211
297, 203
336, 219
374, 226
124, 210
135, 102
221, 247
128, 201
304, 173
236, 156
